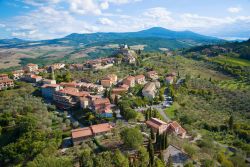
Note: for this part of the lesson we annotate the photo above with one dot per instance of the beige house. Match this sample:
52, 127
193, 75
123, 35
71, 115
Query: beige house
150, 89
130, 81
157, 125
31, 67
109, 80
140, 79
152, 75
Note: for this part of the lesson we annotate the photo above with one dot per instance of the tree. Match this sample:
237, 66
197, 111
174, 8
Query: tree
120, 160
151, 152
159, 163
143, 157
85, 158
67, 77
116, 100
132, 138
231, 122
152, 134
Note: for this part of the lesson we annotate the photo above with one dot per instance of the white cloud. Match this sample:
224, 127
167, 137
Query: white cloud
41, 2
105, 21
48, 23
84, 7
104, 5
123, 1
234, 9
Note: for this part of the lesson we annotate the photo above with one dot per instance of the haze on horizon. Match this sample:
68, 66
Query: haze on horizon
48, 19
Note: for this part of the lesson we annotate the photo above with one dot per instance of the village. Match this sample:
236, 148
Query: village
103, 99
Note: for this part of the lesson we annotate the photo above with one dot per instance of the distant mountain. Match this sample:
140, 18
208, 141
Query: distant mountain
13, 41
156, 35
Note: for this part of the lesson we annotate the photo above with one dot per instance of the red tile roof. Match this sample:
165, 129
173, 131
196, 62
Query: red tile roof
100, 128
101, 101
50, 85
81, 132
155, 123
91, 131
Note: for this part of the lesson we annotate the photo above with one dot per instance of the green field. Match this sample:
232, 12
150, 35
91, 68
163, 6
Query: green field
231, 61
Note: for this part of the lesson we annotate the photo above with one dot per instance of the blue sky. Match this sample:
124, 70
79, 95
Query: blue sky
47, 19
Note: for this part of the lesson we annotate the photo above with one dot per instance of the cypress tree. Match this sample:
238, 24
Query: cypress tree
231, 122
152, 134
151, 152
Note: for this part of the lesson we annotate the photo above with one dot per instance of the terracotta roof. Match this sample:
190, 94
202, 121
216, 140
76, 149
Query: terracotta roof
35, 76
3, 75
50, 85
6, 80
74, 92
130, 78
155, 123
175, 125
101, 101
105, 127
90, 131
82, 132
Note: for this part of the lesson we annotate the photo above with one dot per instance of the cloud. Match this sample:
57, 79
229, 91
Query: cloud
234, 9
48, 23
84, 7
40, 2
105, 21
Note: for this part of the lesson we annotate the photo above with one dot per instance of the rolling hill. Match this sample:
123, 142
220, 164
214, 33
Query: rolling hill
172, 39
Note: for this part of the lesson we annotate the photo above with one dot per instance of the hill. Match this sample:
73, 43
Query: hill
180, 38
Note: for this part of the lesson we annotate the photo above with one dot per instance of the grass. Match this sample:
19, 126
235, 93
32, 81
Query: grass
231, 60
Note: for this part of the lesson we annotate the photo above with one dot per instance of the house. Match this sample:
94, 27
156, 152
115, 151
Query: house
48, 90
152, 75
80, 135
130, 59
32, 78
85, 102
179, 157
5, 82
31, 67
119, 90
102, 106
90, 87
171, 127
84, 134
150, 89
157, 125
170, 78
109, 80
49, 81
130, 81
57, 66
68, 97
17, 74
140, 79
174, 127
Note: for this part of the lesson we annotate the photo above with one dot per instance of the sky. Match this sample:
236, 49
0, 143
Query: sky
48, 19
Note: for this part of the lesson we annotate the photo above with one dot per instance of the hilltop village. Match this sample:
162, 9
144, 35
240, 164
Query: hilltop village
119, 107
104, 99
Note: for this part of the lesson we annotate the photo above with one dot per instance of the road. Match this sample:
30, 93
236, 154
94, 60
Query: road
159, 107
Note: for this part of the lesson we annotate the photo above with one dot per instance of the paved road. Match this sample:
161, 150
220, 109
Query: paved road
159, 107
